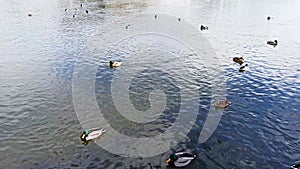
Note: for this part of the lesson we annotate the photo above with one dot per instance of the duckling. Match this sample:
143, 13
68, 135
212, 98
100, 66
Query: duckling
222, 103
203, 27
239, 60
180, 159
296, 166
244, 67
115, 64
29, 14
273, 43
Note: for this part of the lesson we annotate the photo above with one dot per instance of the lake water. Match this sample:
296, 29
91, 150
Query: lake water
38, 123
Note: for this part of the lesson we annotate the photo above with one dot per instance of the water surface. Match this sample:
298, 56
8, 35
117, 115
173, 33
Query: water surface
38, 124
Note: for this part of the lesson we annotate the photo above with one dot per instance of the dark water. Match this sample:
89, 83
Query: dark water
38, 124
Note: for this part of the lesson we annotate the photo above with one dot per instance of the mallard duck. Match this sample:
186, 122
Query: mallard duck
115, 64
296, 166
180, 159
273, 43
244, 67
239, 60
91, 135
222, 103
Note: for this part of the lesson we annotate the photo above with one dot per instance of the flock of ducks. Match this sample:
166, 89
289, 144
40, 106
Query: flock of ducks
66, 9
243, 68
74, 15
180, 159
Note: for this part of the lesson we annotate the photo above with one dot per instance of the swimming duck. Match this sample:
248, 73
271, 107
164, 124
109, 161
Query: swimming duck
115, 64
239, 60
66, 10
179, 19
86, 11
244, 67
296, 166
81, 5
269, 18
180, 159
155, 16
91, 135
203, 27
222, 103
127, 26
274, 43
29, 14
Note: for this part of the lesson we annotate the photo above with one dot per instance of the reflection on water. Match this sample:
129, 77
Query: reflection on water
39, 128
132, 4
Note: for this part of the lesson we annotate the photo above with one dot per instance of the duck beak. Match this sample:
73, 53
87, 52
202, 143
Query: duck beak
168, 160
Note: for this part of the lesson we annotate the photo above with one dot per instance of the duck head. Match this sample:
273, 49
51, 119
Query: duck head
172, 158
111, 63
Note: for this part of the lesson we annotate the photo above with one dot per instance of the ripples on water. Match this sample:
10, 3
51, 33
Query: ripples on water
38, 124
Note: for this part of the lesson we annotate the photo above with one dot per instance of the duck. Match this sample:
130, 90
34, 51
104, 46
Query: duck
296, 166
202, 27
81, 5
273, 43
127, 26
222, 103
115, 64
269, 18
155, 16
179, 19
29, 14
66, 10
239, 60
86, 11
244, 67
91, 135
180, 159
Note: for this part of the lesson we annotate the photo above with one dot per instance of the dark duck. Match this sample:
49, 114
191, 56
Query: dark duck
273, 43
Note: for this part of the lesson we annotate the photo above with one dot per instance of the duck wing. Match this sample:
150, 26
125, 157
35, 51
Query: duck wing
95, 134
182, 163
183, 157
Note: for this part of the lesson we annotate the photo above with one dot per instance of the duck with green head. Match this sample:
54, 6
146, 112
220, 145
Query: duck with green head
180, 159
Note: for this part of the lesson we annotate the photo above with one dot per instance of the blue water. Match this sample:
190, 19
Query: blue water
38, 124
